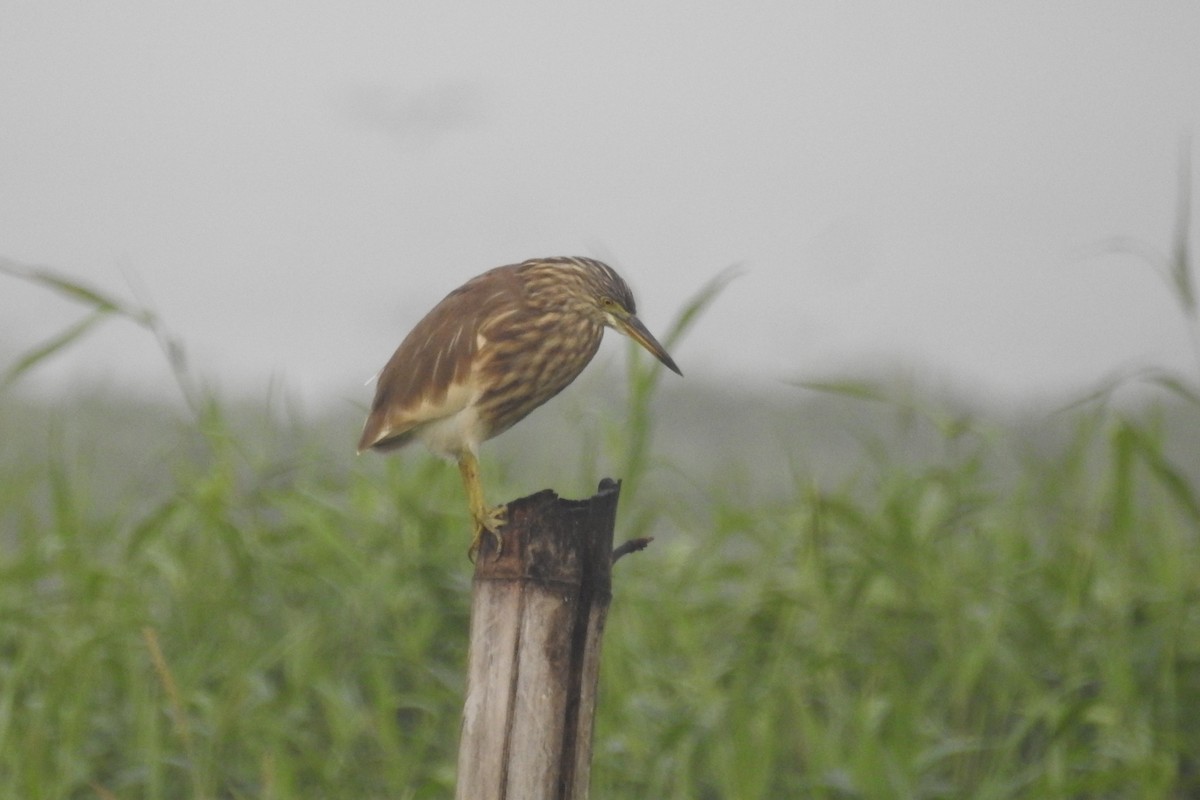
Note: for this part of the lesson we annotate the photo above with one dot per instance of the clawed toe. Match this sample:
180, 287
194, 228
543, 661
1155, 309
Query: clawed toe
491, 521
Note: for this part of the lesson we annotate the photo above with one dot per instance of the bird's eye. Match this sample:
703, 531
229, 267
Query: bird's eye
608, 303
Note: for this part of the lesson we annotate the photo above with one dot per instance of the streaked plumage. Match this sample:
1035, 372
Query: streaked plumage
492, 351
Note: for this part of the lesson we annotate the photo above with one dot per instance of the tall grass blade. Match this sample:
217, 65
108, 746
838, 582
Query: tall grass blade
698, 304
74, 290
1177, 387
1175, 266
851, 388
102, 305
634, 436
167, 680
1180, 265
1170, 478
36, 355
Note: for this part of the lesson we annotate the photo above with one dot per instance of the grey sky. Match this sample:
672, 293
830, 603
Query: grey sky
292, 184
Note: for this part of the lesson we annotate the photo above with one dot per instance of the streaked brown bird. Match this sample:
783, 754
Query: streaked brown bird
492, 351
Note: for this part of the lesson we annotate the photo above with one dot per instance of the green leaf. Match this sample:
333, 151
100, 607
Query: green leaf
1176, 484
1179, 265
698, 303
74, 290
855, 389
43, 351
1178, 387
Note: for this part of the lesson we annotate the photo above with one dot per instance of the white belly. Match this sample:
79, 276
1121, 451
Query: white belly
453, 435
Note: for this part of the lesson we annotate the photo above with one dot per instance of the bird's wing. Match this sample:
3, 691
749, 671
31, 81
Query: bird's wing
429, 377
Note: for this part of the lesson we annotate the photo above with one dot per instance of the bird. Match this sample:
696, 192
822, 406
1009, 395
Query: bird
491, 352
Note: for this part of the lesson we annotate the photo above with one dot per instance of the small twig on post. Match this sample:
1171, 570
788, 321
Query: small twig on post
631, 546
537, 618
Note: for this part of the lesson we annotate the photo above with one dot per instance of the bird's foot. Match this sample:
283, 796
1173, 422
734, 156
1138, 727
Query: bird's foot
490, 522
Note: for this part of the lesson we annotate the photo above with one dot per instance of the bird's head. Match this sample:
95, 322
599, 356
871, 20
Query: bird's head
607, 294
621, 317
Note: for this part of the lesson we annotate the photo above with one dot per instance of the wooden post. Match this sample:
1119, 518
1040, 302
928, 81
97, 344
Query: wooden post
537, 617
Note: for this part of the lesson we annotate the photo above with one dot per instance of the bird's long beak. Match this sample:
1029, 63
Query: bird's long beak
632, 327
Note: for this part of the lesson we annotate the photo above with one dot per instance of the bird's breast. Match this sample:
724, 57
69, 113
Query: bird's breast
525, 363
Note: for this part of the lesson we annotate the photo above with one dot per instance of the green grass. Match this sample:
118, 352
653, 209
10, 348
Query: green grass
281, 622
230, 606
306, 647
934, 640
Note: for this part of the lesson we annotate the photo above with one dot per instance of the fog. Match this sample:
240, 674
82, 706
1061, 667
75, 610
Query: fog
927, 187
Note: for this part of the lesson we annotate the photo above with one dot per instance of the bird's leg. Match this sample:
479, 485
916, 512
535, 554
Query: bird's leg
482, 517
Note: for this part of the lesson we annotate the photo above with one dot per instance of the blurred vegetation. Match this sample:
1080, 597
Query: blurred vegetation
865, 591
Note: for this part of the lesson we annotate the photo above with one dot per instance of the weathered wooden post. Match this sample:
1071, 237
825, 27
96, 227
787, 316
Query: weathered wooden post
537, 617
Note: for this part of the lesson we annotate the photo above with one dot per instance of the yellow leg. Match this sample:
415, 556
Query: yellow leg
482, 517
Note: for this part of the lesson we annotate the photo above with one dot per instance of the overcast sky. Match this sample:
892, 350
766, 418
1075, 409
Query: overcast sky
291, 185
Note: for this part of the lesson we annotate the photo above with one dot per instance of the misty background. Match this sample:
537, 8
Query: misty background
927, 187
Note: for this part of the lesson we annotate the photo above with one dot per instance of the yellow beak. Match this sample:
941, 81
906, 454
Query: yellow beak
632, 327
